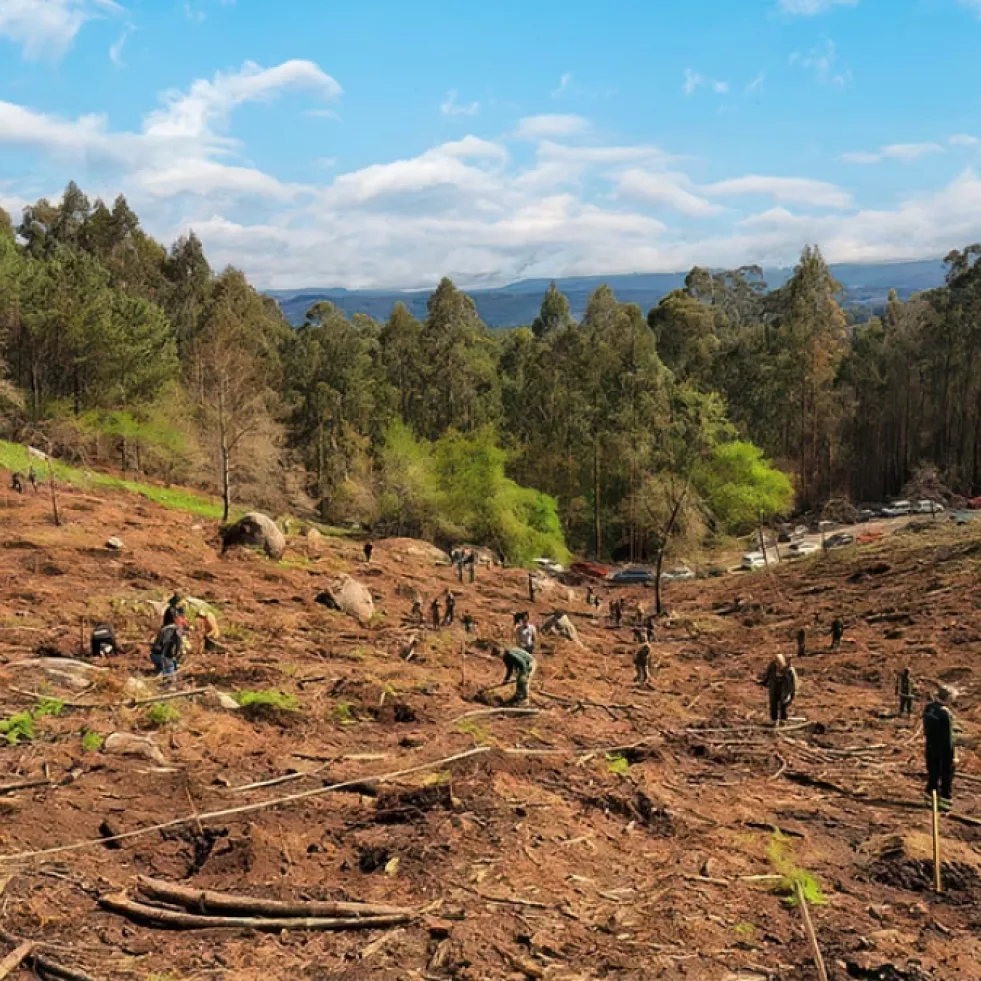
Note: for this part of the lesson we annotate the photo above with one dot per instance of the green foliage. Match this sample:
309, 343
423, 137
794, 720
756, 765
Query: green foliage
276, 701
48, 706
743, 489
481, 734
91, 741
782, 858
343, 713
744, 930
617, 764
162, 714
18, 727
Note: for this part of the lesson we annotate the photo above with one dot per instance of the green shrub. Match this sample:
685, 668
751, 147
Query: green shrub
267, 702
617, 763
782, 858
162, 714
18, 727
343, 712
48, 706
91, 741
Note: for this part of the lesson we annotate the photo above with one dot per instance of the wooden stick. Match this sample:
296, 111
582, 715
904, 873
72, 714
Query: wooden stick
937, 882
47, 965
15, 958
494, 711
207, 901
7, 788
170, 696
246, 808
171, 919
811, 935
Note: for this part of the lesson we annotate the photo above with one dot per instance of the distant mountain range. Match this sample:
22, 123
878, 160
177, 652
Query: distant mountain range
866, 285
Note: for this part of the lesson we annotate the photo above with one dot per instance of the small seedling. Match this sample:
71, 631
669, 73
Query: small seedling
343, 712
617, 763
781, 855
18, 727
744, 930
91, 741
162, 714
48, 706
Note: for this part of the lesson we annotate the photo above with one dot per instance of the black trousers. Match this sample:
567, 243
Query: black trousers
905, 704
940, 770
778, 707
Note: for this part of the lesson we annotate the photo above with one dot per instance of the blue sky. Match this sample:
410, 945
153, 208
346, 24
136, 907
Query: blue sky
384, 144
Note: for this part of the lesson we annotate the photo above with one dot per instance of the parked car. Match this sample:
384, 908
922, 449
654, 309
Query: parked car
864, 516
928, 507
677, 574
842, 540
632, 577
590, 570
550, 565
898, 509
803, 548
753, 560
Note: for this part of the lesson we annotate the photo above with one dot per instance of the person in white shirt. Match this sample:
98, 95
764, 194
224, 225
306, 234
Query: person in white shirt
526, 634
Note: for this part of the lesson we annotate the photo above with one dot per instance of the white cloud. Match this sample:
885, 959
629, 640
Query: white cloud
694, 81
666, 188
550, 126
450, 107
757, 85
906, 152
46, 29
808, 8
788, 189
962, 139
116, 48
822, 62
209, 178
564, 82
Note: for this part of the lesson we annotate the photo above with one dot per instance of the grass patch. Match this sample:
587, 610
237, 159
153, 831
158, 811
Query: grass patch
781, 856
744, 930
91, 741
14, 457
481, 734
269, 704
161, 714
48, 706
343, 712
617, 764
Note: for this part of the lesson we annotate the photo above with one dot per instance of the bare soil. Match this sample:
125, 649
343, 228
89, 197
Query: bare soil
620, 832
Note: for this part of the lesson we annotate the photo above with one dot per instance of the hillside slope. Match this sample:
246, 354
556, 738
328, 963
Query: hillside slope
619, 832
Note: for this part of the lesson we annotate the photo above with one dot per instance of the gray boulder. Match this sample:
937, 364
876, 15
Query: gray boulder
255, 530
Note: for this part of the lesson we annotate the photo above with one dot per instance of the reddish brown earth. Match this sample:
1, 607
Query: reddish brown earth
539, 863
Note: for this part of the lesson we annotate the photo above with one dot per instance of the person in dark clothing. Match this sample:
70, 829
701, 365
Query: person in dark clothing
642, 664
450, 609
837, 633
434, 612
589, 596
368, 549
32, 477
173, 611
103, 641
616, 611
531, 587
780, 680
416, 615
938, 729
905, 691
167, 649
649, 628
16, 483
801, 642
520, 665
472, 564
468, 623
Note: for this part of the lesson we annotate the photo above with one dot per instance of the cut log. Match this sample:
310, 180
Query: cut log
15, 958
172, 920
48, 966
207, 901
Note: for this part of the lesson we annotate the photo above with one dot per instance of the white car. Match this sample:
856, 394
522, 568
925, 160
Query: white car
678, 574
550, 565
753, 560
803, 548
898, 509
928, 507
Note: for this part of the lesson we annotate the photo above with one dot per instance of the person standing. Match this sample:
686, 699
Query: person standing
938, 730
801, 642
526, 634
368, 549
434, 612
642, 665
450, 609
531, 587
905, 691
837, 633
780, 680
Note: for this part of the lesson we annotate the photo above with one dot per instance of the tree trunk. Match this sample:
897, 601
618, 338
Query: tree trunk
657, 580
226, 483
597, 537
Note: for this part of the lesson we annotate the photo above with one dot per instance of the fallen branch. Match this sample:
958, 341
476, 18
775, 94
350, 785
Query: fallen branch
275, 781
206, 901
47, 966
477, 713
244, 809
173, 920
15, 958
170, 696
24, 785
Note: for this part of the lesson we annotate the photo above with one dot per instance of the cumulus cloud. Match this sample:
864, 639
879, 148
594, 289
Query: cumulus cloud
788, 189
451, 107
905, 152
822, 62
671, 190
550, 126
46, 29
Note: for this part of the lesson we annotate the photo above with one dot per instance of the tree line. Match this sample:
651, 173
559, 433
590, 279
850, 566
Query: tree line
618, 433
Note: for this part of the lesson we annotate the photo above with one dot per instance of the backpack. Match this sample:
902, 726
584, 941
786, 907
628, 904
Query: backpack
936, 723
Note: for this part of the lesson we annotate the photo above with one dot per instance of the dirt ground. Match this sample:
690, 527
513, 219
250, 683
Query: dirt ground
618, 832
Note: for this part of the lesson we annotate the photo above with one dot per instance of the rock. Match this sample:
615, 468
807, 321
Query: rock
126, 744
73, 674
350, 597
137, 688
400, 547
114, 544
220, 700
563, 627
314, 536
255, 530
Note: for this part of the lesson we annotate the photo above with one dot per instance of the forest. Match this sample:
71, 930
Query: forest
725, 405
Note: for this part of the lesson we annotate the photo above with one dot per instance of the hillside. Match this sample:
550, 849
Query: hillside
618, 832
518, 303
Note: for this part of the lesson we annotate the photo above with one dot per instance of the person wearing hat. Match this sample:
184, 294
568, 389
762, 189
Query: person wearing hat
938, 730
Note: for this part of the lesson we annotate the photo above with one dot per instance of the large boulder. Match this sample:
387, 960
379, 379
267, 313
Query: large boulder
255, 530
350, 597
562, 626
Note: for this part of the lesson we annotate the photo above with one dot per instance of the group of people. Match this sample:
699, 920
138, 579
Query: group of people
17, 481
